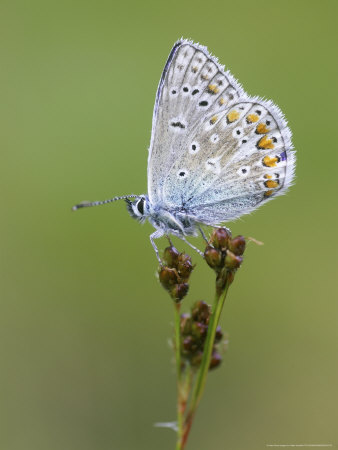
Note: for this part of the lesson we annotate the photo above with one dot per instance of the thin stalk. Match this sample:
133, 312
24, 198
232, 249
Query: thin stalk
205, 364
180, 410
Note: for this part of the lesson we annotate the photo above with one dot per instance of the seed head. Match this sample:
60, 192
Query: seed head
237, 245
220, 238
174, 275
194, 329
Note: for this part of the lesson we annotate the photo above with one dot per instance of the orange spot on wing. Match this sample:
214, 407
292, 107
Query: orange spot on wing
252, 118
261, 128
270, 162
213, 119
213, 89
265, 143
221, 101
271, 184
268, 176
232, 116
268, 193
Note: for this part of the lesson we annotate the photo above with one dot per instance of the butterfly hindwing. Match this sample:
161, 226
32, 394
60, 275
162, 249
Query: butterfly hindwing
236, 159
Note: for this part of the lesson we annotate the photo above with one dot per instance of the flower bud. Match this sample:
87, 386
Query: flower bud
179, 291
219, 334
185, 324
232, 261
200, 312
184, 265
220, 238
170, 256
237, 245
216, 360
187, 343
196, 359
168, 277
213, 257
199, 330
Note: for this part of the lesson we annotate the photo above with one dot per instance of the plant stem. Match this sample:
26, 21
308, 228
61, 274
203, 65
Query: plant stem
205, 364
180, 410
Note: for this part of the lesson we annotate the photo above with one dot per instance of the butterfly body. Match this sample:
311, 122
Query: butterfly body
174, 221
215, 152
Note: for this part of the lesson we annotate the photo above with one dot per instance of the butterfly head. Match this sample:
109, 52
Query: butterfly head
138, 208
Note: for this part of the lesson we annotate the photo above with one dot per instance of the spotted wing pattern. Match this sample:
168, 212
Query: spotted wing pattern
193, 84
215, 152
237, 159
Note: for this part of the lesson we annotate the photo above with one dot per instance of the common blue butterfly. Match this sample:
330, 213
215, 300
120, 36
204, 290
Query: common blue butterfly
215, 152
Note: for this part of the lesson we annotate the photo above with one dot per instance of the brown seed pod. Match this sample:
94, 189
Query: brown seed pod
220, 238
232, 261
184, 265
170, 256
213, 257
216, 360
168, 277
179, 291
237, 245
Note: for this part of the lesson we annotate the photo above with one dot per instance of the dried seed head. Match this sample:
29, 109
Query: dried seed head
220, 238
219, 334
237, 245
174, 276
232, 261
179, 291
216, 360
196, 360
200, 312
168, 277
185, 324
194, 329
199, 330
184, 265
187, 343
170, 256
213, 257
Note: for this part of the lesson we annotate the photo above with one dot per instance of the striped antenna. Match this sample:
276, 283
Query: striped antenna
103, 202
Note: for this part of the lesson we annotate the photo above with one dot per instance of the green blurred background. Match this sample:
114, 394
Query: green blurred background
84, 324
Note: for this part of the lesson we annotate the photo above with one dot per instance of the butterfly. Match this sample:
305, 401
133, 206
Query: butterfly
215, 152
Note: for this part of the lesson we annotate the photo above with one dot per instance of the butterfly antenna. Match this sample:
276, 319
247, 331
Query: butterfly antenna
103, 202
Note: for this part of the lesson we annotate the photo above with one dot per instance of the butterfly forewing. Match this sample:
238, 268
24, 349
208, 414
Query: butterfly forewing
192, 86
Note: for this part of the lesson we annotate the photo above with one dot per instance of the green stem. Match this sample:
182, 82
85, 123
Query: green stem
205, 364
180, 410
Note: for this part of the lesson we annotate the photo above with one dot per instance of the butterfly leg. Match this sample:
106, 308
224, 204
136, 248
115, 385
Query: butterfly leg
157, 234
203, 234
170, 241
192, 246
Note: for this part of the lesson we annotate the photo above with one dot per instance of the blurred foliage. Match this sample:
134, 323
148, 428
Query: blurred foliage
84, 323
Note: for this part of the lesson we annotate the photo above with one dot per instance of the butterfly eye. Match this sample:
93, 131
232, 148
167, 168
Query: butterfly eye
140, 206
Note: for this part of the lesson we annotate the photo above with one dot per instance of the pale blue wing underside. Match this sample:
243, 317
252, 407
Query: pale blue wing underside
192, 85
215, 152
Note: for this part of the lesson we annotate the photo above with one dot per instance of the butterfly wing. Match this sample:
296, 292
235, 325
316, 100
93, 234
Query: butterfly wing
193, 84
238, 158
